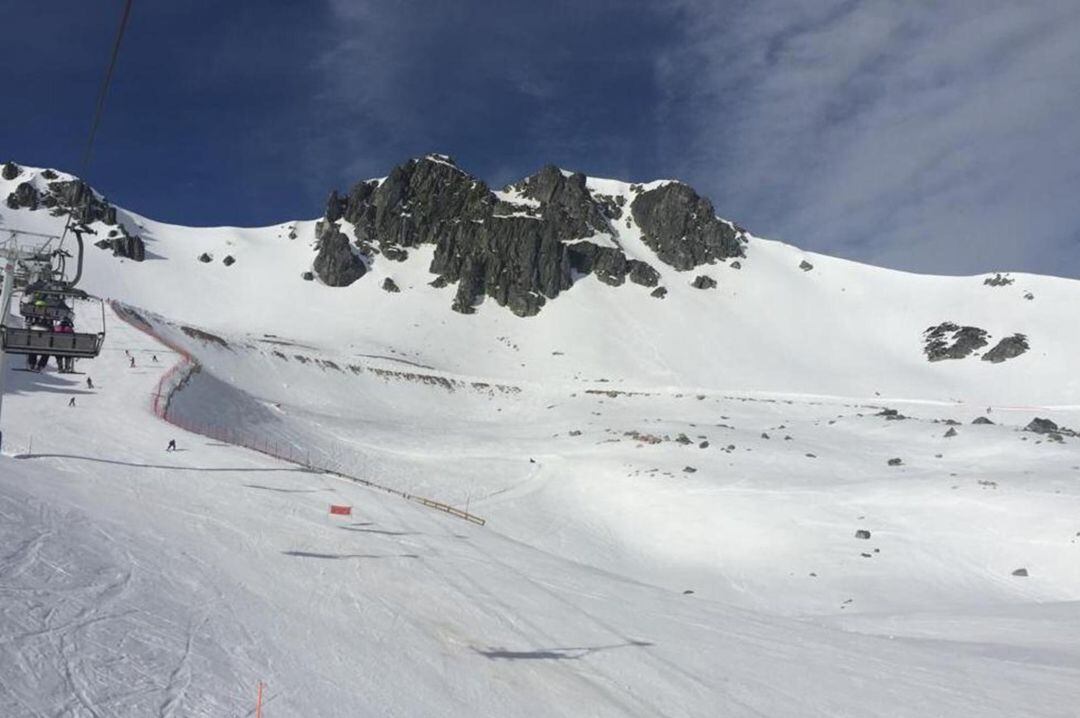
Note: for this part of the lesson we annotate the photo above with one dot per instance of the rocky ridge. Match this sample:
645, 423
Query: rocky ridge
520, 246
78, 199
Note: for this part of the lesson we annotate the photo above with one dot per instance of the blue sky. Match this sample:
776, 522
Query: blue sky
923, 136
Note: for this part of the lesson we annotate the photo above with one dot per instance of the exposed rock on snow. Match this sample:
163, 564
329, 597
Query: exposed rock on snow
981, 420
659, 292
1007, 348
1020, 572
337, 263
10, 171
998, 280
229, 260
389, 285
682, 227
949, 341
896, 461
805, 266
25, 196
1041, 426
703, 282
862, 534
205, 258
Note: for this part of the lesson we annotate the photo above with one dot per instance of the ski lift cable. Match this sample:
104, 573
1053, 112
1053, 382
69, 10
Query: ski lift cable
99, 109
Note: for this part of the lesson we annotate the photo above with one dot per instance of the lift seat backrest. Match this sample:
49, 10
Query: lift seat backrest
35, 341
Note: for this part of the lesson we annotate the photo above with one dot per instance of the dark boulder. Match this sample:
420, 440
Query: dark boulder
951, 432
389, 285
982, 420
703, 282
205, 258
49, 174
862, 534
229, 260
659, 292
736, 264
1020, 572
642, 273
10, 171
896, 461
805, 266
308, 276
129, 246
1007, 348
336, 263
1041, 426
25, 196
682, 227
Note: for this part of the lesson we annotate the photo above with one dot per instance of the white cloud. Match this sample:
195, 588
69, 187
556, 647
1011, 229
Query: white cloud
925, 136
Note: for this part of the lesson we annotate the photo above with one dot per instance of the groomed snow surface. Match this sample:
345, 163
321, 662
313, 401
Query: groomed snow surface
672, 491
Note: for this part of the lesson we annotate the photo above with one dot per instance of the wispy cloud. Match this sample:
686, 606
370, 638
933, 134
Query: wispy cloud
925, 136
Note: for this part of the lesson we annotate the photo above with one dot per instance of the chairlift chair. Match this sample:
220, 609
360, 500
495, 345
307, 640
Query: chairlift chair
40, 340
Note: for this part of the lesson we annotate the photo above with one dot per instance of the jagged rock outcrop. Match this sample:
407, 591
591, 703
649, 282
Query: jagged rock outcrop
526, 244
950, 341
77, 197
998, 280
682, 227
1007, 348
10, 171
337, 263
565, 200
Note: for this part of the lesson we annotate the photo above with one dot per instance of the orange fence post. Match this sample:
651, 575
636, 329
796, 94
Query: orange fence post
258, 702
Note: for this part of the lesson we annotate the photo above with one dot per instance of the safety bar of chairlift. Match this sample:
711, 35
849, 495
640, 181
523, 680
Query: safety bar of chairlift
78, 345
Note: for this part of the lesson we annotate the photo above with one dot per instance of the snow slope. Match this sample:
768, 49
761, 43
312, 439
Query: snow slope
608, 580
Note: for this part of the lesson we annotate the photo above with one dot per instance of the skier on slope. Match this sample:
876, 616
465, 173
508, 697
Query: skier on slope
171, 446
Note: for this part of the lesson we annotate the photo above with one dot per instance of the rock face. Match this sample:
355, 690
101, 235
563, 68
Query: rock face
10, 171
336, 263
682, 227
76, 197
1007, 348
998, 280
519, 252
949, 341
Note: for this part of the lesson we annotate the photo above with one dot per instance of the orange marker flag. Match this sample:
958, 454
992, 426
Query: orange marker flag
341, 510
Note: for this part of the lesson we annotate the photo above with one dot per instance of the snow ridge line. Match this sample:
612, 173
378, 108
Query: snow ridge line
178, 375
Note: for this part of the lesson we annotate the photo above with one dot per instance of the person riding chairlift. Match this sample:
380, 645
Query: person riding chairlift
66, 364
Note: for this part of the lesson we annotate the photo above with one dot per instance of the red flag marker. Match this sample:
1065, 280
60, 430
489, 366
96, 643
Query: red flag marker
341, 510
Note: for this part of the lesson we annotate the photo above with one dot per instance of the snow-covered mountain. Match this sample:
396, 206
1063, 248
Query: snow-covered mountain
673, 481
